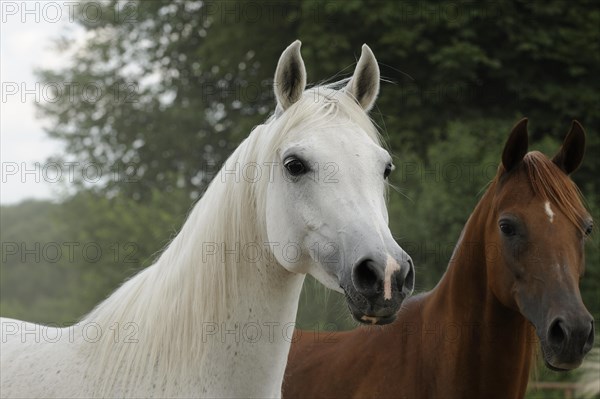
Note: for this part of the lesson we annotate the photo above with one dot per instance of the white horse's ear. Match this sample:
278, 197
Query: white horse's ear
364, 84
290, 76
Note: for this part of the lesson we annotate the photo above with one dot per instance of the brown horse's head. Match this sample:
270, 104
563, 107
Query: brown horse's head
535, 244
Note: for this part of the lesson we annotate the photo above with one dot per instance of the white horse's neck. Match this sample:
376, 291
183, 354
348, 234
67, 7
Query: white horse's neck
216, 310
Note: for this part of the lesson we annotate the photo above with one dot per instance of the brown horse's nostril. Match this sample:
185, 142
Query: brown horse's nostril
589, 342
368, 278
557, 333
571, 339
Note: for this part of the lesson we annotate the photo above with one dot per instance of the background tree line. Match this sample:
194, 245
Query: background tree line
185, 81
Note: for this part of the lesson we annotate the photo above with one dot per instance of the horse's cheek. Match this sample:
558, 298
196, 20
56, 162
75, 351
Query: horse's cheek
502, 283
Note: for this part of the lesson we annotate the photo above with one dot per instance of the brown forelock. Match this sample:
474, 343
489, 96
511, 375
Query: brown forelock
548, 181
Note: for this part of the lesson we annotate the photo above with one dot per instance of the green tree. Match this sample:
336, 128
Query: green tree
60, 260
201, 74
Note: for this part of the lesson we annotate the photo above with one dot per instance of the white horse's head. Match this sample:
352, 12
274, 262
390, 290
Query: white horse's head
327, 190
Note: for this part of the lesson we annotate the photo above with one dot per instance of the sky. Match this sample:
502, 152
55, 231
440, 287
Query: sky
27, 32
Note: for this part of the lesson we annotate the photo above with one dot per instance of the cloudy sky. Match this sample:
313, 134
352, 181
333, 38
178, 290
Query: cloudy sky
26, 37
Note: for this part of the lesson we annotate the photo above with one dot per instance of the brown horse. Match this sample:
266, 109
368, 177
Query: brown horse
516, 268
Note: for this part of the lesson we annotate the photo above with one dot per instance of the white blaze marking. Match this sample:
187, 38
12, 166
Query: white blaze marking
549, 211
390, 267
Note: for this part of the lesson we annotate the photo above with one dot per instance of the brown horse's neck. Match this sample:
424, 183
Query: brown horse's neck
494, 344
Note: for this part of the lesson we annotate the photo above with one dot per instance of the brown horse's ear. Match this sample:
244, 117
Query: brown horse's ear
571, 152
516, 145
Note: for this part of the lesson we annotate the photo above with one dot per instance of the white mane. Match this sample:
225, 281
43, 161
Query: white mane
170, 300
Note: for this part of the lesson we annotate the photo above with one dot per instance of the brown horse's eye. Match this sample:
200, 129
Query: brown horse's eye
507, 229
589, 229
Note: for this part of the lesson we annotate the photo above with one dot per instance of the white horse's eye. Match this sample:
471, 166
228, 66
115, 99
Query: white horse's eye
295, 167
388, 169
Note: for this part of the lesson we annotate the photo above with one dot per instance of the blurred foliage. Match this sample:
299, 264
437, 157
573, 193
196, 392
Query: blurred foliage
60, 260
181, 83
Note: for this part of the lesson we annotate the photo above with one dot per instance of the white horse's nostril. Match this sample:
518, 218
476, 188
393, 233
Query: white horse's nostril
367, 277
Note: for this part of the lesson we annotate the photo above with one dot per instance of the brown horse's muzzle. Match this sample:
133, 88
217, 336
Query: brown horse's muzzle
567, 340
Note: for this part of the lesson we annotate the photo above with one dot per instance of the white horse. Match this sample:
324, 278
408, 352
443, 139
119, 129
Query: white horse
213, 317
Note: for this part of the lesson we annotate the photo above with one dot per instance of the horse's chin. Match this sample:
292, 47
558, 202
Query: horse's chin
375, 320
370, 319
554, 368
552, 365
